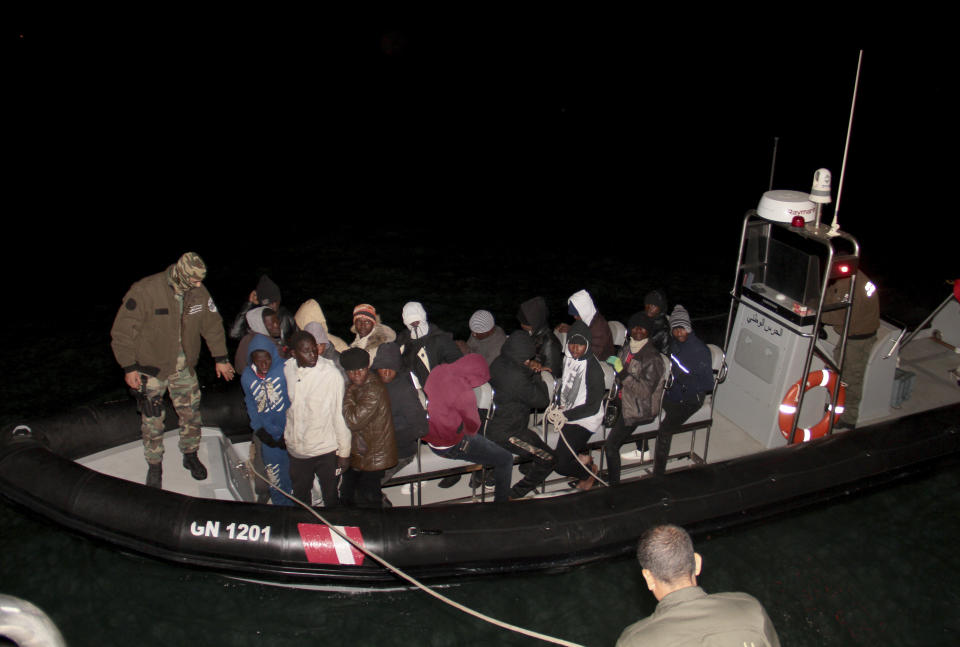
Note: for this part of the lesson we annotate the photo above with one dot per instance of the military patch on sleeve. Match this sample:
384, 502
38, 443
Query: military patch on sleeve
131, 304
211, 306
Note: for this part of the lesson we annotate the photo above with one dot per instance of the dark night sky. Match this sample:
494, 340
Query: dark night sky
417, 119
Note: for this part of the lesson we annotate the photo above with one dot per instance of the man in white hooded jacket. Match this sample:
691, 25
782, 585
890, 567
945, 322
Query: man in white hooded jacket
317, 437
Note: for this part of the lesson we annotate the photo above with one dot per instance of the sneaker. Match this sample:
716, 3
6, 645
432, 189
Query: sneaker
637, 455
155, 475
192, 463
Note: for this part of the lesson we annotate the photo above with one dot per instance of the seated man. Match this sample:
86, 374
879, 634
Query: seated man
641, 388
424, 346
486, 337
581, 396
518, 389
455, 419
692, 370
534, 318
685, 614
366, 408
317, 436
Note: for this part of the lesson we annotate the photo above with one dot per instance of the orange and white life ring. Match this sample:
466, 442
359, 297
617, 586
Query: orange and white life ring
788, 407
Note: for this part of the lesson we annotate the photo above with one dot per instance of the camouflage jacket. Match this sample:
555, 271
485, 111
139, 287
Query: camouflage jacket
150, 330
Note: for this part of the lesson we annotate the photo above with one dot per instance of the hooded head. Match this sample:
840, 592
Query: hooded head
255, 320
268, 292
533, 313
518, 347
319, 333
415, 319
264, 343
470, 370
654, 303
581, 305
579, 335
187, 272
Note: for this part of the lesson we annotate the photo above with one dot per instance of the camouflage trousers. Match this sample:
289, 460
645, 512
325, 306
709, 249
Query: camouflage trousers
185, 395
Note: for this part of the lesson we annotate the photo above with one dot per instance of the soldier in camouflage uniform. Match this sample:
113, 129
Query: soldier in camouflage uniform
156, 339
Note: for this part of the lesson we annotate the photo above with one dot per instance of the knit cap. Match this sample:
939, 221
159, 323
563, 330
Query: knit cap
481, 321
365, 311
680, 318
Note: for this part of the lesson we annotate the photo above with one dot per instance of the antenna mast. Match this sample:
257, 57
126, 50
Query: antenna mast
835, 227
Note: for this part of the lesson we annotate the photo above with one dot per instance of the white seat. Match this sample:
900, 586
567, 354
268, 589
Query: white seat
484, 395
619, 332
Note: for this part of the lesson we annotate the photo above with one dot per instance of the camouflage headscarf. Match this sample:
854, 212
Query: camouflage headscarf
188, 269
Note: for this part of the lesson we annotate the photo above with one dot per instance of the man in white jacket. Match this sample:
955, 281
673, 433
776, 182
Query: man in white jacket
316, 435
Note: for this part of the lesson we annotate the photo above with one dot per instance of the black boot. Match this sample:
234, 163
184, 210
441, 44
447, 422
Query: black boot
192, 463
155, 475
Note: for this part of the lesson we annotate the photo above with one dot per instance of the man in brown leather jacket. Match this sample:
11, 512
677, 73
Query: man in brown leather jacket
366, 408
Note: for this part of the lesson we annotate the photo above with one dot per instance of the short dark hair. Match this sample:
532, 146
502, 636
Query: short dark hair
667, 552
299, 336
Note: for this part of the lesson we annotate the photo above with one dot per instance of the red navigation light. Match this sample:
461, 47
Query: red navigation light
798, 221
843, 267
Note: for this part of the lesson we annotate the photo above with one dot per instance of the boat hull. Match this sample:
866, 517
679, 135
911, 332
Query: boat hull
287, 544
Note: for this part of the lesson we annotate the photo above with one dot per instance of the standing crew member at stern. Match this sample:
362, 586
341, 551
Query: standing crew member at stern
156, 339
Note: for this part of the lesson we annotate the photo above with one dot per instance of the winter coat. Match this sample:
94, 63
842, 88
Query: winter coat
549, 350
424, 354
366, 408
265, 396
517, 389
642, 381
488, 347
151, 329
692, 370
659, 334
381, 334
315, 423
452, 405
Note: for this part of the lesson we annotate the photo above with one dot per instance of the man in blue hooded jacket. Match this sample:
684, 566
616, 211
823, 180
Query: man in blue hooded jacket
265, 394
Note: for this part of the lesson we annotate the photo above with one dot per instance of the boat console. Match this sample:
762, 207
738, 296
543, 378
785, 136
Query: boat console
785, 264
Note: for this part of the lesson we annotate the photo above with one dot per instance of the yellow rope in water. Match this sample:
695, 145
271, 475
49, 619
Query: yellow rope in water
397, 571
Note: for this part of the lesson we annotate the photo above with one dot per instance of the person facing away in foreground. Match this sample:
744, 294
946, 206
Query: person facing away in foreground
685, 613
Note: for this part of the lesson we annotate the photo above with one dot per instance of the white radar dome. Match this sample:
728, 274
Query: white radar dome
784, 206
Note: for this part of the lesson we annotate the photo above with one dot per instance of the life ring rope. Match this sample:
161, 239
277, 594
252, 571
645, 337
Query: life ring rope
788, 406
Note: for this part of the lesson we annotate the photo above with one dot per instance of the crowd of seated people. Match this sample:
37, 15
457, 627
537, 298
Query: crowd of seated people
352, 415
